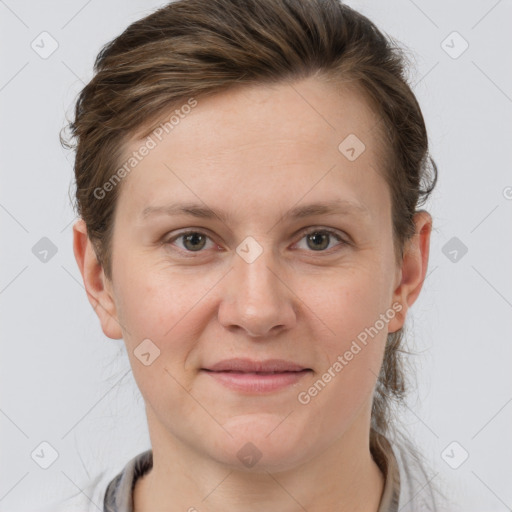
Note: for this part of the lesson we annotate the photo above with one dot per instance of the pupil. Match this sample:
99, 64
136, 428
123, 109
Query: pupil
319, 237
194, 237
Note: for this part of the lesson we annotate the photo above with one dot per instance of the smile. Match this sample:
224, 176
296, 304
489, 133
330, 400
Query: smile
257, 382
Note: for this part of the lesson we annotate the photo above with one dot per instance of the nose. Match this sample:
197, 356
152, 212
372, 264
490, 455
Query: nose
255, 299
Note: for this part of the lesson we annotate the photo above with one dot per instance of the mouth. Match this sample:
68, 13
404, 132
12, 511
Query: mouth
240, 365
245, 375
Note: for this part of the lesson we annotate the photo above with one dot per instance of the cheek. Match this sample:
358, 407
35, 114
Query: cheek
156, 303
159, 318
353, 310
349, 302
161, 308
173, 308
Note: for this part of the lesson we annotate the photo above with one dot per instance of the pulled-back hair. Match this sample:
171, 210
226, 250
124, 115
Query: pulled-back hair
190, 49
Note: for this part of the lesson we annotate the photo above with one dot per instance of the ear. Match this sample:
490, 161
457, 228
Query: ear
97, 286
411, 275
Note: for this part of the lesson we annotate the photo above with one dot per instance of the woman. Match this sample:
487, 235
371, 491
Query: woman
248, 180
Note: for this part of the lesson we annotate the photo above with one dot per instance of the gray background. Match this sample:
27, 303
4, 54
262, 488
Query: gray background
63, 382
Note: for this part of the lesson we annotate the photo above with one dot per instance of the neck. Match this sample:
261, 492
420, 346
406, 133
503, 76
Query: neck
342, 478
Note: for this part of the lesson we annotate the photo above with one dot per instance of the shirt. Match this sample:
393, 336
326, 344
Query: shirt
407, 487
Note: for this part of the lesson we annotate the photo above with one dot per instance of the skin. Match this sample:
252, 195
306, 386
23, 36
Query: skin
257, 152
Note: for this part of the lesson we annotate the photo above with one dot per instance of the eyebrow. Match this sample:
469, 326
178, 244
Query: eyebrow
198, 210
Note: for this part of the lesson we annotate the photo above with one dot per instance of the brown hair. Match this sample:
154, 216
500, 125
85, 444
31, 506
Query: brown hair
193, 48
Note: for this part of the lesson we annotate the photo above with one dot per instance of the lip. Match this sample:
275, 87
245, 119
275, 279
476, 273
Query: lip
242, 365
252, 376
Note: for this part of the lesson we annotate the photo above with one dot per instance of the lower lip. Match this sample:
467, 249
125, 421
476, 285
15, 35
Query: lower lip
256, 382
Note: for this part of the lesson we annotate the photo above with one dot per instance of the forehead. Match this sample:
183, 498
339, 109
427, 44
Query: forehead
262, 143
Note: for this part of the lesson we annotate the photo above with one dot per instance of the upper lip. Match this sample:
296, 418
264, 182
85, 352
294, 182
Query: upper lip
251, 366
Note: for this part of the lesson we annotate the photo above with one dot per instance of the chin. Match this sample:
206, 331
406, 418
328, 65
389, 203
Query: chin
263, 442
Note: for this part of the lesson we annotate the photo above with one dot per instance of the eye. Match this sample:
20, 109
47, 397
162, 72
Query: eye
319, 240
192, 241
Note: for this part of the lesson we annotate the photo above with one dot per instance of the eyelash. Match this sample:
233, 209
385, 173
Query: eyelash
303, 235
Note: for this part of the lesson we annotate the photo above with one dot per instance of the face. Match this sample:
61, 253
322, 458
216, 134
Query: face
266, 276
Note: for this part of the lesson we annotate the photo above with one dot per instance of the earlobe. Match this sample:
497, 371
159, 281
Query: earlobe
413, 269
95, 283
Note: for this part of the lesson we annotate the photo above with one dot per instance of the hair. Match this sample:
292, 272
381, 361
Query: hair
195, 48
